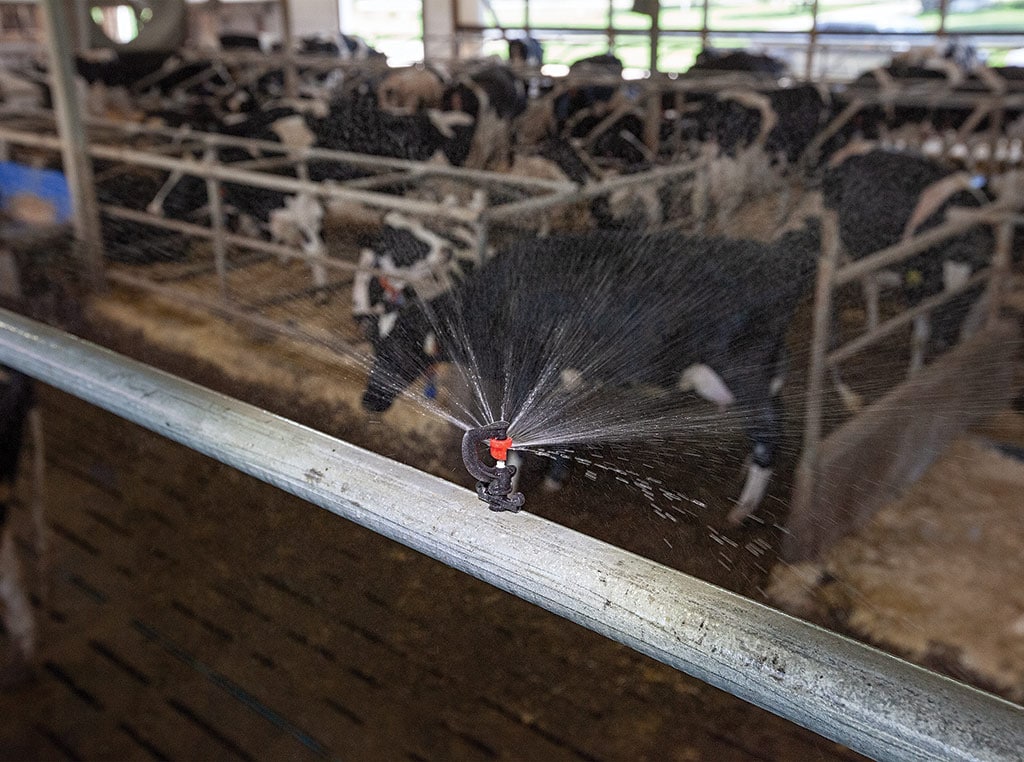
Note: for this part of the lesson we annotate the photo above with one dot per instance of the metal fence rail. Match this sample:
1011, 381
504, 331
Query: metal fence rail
507, 201
853, 694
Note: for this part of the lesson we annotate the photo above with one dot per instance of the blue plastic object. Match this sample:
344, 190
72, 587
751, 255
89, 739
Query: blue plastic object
47, 184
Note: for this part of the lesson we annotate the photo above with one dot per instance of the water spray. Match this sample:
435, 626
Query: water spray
495, 482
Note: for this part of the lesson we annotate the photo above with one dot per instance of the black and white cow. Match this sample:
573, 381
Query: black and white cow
603, 113
137, 243
665, 310
713, 61
952, 69
347, 47
125, 68
408, 90
492, 96
883, 197
355, 123
16, 407
525, 51
240, 41
466, 123
781, 121
407, 261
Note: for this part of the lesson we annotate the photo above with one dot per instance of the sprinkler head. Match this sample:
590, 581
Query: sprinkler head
495, 482
499, 448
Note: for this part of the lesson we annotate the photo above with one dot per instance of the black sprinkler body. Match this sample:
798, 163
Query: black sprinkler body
495, 482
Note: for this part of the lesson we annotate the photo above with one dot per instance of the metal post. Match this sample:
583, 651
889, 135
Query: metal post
804, 488
291, 71
812, 43
83, 25
456, 30
77, 167
655, 35
610, 31
652, 119
1001, 269
874, 703
705, 15
216, 203
943, 10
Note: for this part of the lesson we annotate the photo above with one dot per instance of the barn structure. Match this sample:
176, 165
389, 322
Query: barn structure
507, 379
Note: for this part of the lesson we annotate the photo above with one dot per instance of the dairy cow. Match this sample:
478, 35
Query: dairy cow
882, 197
665, 310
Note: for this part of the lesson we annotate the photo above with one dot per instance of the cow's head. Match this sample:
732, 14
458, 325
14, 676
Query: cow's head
405, 91
405, 348
403, 303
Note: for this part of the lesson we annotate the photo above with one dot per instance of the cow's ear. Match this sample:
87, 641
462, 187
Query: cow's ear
446, 121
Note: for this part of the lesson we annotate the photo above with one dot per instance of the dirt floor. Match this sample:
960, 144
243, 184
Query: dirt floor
195, 613
938, 575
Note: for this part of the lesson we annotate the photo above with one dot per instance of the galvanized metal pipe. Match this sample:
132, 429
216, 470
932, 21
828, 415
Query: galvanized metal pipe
291, 71
227, 173
482, 176
897, 253
874, 703
905, 317
218, 229
124, 131
824, 285
335, 191
233, 239
1002, 269
72, 144
527, 208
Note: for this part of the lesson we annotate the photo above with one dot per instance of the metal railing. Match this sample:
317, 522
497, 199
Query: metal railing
508, 201
853, 694
1002, 216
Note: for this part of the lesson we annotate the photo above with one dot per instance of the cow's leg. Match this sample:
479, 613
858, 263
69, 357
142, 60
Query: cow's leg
919, 342
852, 401
764, 428
17, 612
320, 282
872, 285
779, 376
754, 488
872, 291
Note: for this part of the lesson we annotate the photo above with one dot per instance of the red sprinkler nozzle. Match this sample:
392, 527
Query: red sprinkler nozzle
500, 448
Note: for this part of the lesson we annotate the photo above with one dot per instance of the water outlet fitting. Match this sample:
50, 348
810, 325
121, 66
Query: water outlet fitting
494, 485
